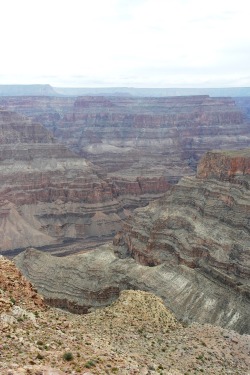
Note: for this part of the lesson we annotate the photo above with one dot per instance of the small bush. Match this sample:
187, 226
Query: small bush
89, 364
68, 356
13, 300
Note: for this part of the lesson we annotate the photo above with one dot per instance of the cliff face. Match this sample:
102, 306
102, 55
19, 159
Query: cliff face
228, 165
95, 279
203, 222
190, 247
143, 144
47, 193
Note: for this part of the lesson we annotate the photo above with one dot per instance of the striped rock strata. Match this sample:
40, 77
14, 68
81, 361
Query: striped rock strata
202, 223
48, 193
143, 144
191, 247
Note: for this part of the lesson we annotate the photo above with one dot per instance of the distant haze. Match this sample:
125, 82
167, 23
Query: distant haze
131, 43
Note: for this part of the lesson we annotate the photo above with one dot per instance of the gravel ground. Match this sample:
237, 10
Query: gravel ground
135, 335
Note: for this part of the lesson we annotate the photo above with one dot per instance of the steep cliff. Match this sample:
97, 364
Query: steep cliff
48, 193
143, 144
191, 247
202, 223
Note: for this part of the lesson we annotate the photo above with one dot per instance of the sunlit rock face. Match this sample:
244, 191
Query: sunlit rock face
48, 193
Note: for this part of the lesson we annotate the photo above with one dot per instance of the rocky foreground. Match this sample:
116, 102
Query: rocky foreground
135, 335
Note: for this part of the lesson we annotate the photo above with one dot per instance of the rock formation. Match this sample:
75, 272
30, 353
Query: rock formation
191, 247
47, 193
141, 144
202, 223
135, 335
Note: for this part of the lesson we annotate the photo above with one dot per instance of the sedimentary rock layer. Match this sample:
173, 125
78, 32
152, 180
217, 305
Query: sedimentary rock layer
202, 222
94, 279
142, 143
191, 247
48, 193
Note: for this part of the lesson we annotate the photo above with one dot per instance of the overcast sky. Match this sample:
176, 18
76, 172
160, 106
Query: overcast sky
139, 43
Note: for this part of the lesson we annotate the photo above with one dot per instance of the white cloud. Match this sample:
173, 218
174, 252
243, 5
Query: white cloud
125, 42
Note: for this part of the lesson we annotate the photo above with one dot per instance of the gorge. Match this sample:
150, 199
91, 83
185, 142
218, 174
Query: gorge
73, 169
190, 247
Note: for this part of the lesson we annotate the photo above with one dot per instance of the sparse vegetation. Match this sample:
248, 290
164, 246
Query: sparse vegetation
106, 349
68, 356
13, 300
90, 363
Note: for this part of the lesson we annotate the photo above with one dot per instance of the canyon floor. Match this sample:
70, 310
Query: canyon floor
135, 335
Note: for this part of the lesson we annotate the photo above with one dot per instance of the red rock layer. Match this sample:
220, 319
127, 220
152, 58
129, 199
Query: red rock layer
224, 165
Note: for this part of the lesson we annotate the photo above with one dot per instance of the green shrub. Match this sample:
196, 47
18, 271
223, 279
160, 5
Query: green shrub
89, 364
68, 356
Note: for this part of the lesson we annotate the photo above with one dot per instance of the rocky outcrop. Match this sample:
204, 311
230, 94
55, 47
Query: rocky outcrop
15, 289
202, 223
48, 193
36, 339
94, 279
191, 247
227, 165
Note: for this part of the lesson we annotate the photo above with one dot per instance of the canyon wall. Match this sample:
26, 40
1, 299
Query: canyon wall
47, 193
203, 222
191, 247
141, 144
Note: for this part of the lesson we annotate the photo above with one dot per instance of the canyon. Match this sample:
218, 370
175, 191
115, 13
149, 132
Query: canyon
48, 195
191, 248
100, 158
74, 168
142, 145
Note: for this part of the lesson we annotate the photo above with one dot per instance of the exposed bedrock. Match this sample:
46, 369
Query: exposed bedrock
228, 165
202, 222
191, 247
153, 140
47, 192
94, 279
